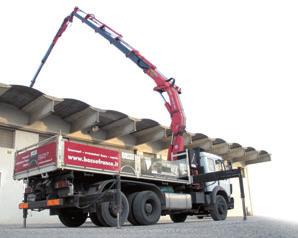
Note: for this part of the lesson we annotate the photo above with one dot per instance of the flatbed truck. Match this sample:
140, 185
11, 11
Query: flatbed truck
78, 180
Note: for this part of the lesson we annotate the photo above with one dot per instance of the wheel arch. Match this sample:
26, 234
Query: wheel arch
218, 190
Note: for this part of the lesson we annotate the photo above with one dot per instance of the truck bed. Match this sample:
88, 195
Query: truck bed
59, 153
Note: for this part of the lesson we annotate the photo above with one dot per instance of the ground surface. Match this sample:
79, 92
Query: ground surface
233, 227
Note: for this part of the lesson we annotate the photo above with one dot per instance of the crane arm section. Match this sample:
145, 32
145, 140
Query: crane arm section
163, 84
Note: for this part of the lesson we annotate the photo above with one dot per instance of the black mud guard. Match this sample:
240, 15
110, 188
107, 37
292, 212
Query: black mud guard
214, 193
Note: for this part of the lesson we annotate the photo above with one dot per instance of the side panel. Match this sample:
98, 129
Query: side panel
59, 153
91, 157
35, 159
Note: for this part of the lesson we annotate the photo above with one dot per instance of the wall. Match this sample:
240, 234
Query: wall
11, 191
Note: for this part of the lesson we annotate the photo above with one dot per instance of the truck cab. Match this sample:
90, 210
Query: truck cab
217, 192
214, 163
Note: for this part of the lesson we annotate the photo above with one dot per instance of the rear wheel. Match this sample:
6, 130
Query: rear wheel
220, 209
72, 217
95, 220
107, 212
131, 217
177, 218
99, 216
146, 208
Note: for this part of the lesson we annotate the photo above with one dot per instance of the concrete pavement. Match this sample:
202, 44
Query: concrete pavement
254, 227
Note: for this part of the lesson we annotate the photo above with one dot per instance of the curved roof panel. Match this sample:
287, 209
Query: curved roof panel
235, 145
218, 141
145, 123
19, 96
68, 107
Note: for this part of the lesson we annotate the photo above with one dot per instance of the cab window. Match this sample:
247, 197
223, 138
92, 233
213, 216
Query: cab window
218, 165
211, 165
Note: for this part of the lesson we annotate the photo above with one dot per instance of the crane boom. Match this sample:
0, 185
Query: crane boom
163, 84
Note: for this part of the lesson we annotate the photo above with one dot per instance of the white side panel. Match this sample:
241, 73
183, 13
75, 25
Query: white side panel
11, 194
6, 138
23, 139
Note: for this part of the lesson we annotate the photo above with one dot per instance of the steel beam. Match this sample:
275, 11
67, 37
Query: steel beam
248, 155
204, 143
219, 148
41, 107
260, 159
150, 134
119, 128
234, 153
83, 119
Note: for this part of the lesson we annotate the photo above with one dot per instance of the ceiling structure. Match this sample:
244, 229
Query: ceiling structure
78, 119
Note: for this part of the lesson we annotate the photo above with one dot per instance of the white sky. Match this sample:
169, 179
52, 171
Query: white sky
236, 62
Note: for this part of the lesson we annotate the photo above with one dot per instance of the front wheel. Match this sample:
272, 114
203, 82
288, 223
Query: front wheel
220, 209
72, 217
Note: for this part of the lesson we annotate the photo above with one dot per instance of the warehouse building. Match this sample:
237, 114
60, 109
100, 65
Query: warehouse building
27, 116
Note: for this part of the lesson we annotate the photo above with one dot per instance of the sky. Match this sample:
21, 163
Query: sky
236, 62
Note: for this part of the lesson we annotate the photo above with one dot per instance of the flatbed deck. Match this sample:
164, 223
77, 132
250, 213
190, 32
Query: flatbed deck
59, 153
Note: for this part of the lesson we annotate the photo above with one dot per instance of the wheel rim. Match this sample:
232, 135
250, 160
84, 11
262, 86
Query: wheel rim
221, 207
113, 209
148, 208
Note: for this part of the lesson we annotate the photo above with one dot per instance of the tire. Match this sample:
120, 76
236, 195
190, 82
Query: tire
177, 218
95, 220
99, 216
107, 212
220, 209
131, 218
146, 208
72, 217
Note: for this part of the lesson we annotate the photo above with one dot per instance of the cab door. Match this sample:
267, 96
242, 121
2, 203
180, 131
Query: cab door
209, 167
225, 184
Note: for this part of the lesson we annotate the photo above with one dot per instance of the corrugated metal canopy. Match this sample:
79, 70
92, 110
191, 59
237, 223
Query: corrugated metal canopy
19, 96
69, 107
109, 124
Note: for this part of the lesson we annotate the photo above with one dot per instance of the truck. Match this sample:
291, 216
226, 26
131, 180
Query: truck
79, 180
111, 185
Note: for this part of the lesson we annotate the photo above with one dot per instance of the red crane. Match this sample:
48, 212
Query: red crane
163, 84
